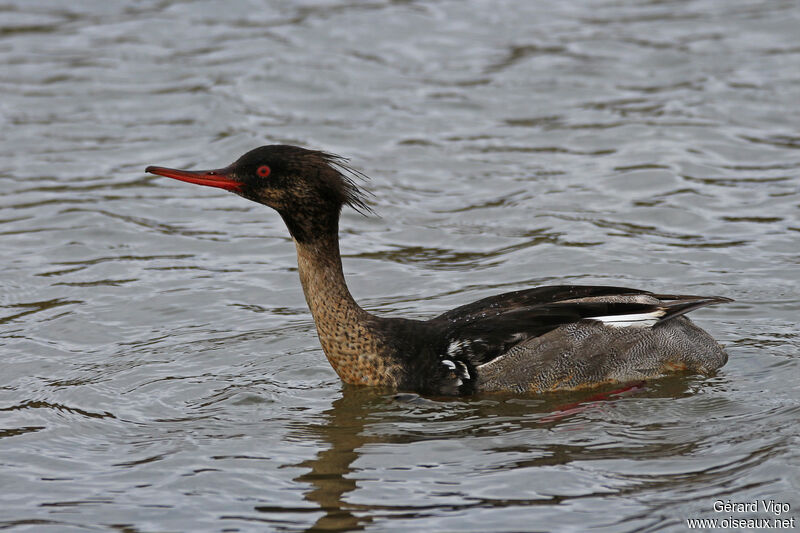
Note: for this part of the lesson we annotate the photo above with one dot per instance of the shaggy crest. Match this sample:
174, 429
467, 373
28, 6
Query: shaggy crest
354, 196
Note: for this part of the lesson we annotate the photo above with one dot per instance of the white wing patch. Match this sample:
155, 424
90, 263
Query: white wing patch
464, 371
455, 347
461, 374
637, 320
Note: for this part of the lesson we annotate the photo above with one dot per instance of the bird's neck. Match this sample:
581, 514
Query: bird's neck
346, 331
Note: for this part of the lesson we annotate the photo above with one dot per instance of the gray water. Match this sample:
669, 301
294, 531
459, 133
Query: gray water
159, 370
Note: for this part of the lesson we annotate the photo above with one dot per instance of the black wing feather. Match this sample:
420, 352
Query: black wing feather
483, 330
511, 301
684, 304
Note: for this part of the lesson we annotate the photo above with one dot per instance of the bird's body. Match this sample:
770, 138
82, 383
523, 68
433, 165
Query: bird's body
541, 339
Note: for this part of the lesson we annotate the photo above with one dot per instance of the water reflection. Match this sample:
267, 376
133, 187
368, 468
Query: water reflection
342, 428
363, 417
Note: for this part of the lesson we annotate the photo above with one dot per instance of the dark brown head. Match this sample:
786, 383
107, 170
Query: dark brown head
307, 187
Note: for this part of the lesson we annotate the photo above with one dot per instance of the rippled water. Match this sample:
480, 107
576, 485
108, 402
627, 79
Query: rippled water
160, 370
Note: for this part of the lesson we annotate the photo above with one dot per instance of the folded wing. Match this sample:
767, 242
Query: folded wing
477, 333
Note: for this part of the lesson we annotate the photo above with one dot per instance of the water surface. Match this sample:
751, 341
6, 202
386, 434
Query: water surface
160, 370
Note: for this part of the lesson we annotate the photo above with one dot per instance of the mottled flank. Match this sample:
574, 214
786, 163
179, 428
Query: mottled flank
585, 353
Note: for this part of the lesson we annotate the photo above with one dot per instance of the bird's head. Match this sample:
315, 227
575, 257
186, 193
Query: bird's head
307, 187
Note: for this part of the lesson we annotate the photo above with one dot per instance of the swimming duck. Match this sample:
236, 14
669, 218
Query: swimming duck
533, 340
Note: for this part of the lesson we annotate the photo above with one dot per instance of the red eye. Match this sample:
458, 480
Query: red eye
263, 171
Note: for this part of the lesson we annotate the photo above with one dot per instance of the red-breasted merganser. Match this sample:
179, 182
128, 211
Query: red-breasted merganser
536, 340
